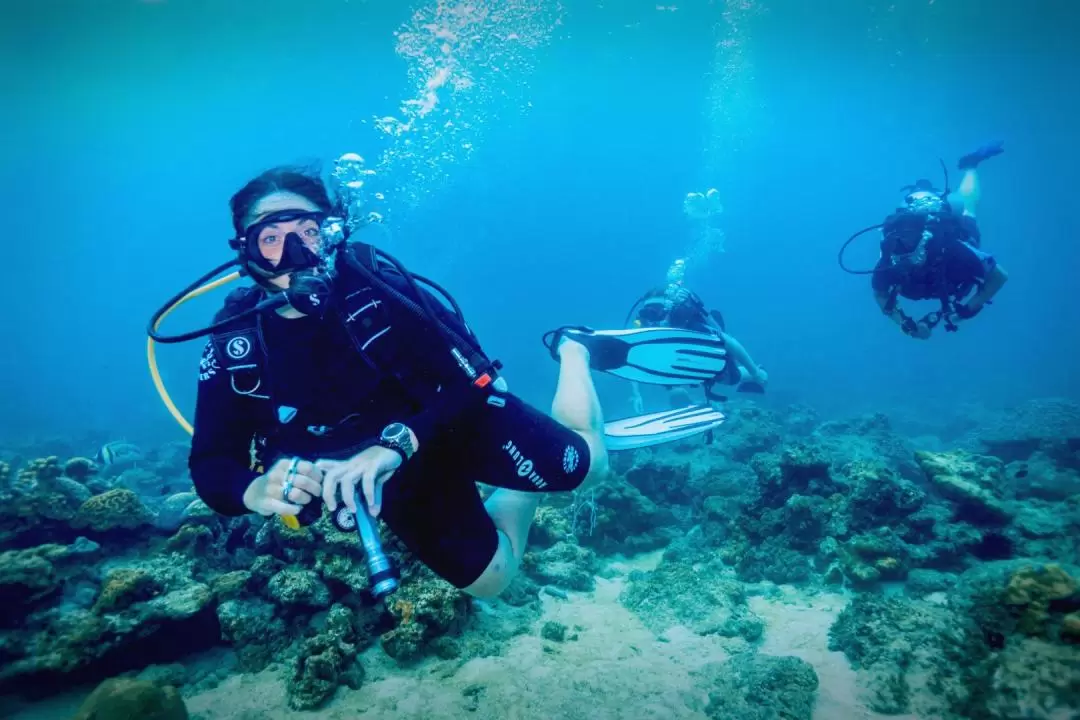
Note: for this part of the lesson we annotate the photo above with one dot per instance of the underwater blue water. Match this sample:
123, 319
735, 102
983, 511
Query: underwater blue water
129, 124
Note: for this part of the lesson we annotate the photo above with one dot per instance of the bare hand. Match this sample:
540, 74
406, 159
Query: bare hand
290, 484
369, 469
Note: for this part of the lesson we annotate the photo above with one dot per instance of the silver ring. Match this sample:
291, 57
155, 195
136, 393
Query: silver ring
289, 474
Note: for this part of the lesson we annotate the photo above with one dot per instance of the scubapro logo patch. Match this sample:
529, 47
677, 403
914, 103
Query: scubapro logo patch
238, 348
570, 459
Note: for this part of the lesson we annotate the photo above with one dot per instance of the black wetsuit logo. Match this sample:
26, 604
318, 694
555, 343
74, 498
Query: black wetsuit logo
524, 465
238, 348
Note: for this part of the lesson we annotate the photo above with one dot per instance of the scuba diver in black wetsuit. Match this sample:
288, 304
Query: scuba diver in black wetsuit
674, 306
338, 378
931, 250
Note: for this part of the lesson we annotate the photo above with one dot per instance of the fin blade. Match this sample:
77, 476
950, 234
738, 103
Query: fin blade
666, 356
662, 427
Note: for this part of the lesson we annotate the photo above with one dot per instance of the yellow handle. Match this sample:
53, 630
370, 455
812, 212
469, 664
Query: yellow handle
151, 356
151, 359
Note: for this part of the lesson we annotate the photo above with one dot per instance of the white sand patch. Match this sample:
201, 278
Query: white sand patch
616, 669
798, 625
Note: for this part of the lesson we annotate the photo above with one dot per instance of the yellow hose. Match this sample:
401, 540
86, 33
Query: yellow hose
151, 359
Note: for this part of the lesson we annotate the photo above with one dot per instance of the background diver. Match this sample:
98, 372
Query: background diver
931, 250
675, 306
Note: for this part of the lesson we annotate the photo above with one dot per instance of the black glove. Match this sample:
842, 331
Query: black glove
964, 312
909, 326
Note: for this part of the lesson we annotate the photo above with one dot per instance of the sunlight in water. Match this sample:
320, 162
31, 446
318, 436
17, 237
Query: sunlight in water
730, 87
469, 62
727, 106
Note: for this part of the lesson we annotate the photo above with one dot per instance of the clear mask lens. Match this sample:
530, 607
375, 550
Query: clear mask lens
924, 202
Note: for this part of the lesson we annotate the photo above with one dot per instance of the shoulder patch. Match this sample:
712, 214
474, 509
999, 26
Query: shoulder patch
208, 364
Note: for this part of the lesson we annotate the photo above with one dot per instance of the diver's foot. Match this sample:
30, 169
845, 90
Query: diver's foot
972, 159
569, 348
556, 340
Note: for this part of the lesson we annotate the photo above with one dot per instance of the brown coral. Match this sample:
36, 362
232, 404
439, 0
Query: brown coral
80, 468
124, 587
404, 609
41, 469
1070, 628
1031, 590
118, 508
125, 698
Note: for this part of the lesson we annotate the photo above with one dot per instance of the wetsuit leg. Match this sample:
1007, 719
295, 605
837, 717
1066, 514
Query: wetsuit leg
432, 504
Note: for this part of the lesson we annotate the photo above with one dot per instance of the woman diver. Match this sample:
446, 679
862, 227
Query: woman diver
341, 376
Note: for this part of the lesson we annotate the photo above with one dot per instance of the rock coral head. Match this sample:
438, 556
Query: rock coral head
1032, 591
1039, 585
129, 698
117, 508
40, 470
80, 468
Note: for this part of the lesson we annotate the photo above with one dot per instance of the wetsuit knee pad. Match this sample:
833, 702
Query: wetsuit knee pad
513, 445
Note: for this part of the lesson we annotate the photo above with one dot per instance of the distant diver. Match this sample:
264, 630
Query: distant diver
674, 306
931, 250
670, 340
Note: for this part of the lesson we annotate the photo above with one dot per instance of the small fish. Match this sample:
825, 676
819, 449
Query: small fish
118, 453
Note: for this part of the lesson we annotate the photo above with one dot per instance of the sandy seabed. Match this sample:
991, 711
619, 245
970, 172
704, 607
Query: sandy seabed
615, 669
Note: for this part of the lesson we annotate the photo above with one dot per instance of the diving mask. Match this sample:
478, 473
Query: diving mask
924, 202
283, 242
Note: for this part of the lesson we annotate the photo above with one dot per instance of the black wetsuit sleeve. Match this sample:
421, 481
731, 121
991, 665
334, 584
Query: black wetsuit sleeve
221, 445
884, 278
966, 263
456, 396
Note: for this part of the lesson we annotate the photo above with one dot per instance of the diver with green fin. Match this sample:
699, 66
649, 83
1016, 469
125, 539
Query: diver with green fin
340, 378
931, 250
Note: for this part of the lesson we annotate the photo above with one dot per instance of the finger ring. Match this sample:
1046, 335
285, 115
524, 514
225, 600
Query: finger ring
288, 486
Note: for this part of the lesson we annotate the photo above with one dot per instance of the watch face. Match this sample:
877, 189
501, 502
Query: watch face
393, 430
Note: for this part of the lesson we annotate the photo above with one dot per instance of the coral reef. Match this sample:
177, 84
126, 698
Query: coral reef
324, 662
1000, 642
428, 609
963, 601
1051, 425
117, 509
970, 481
762, 687
705, 599
126, 699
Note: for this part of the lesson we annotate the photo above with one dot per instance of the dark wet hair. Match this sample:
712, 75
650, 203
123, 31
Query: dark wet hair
303, 181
